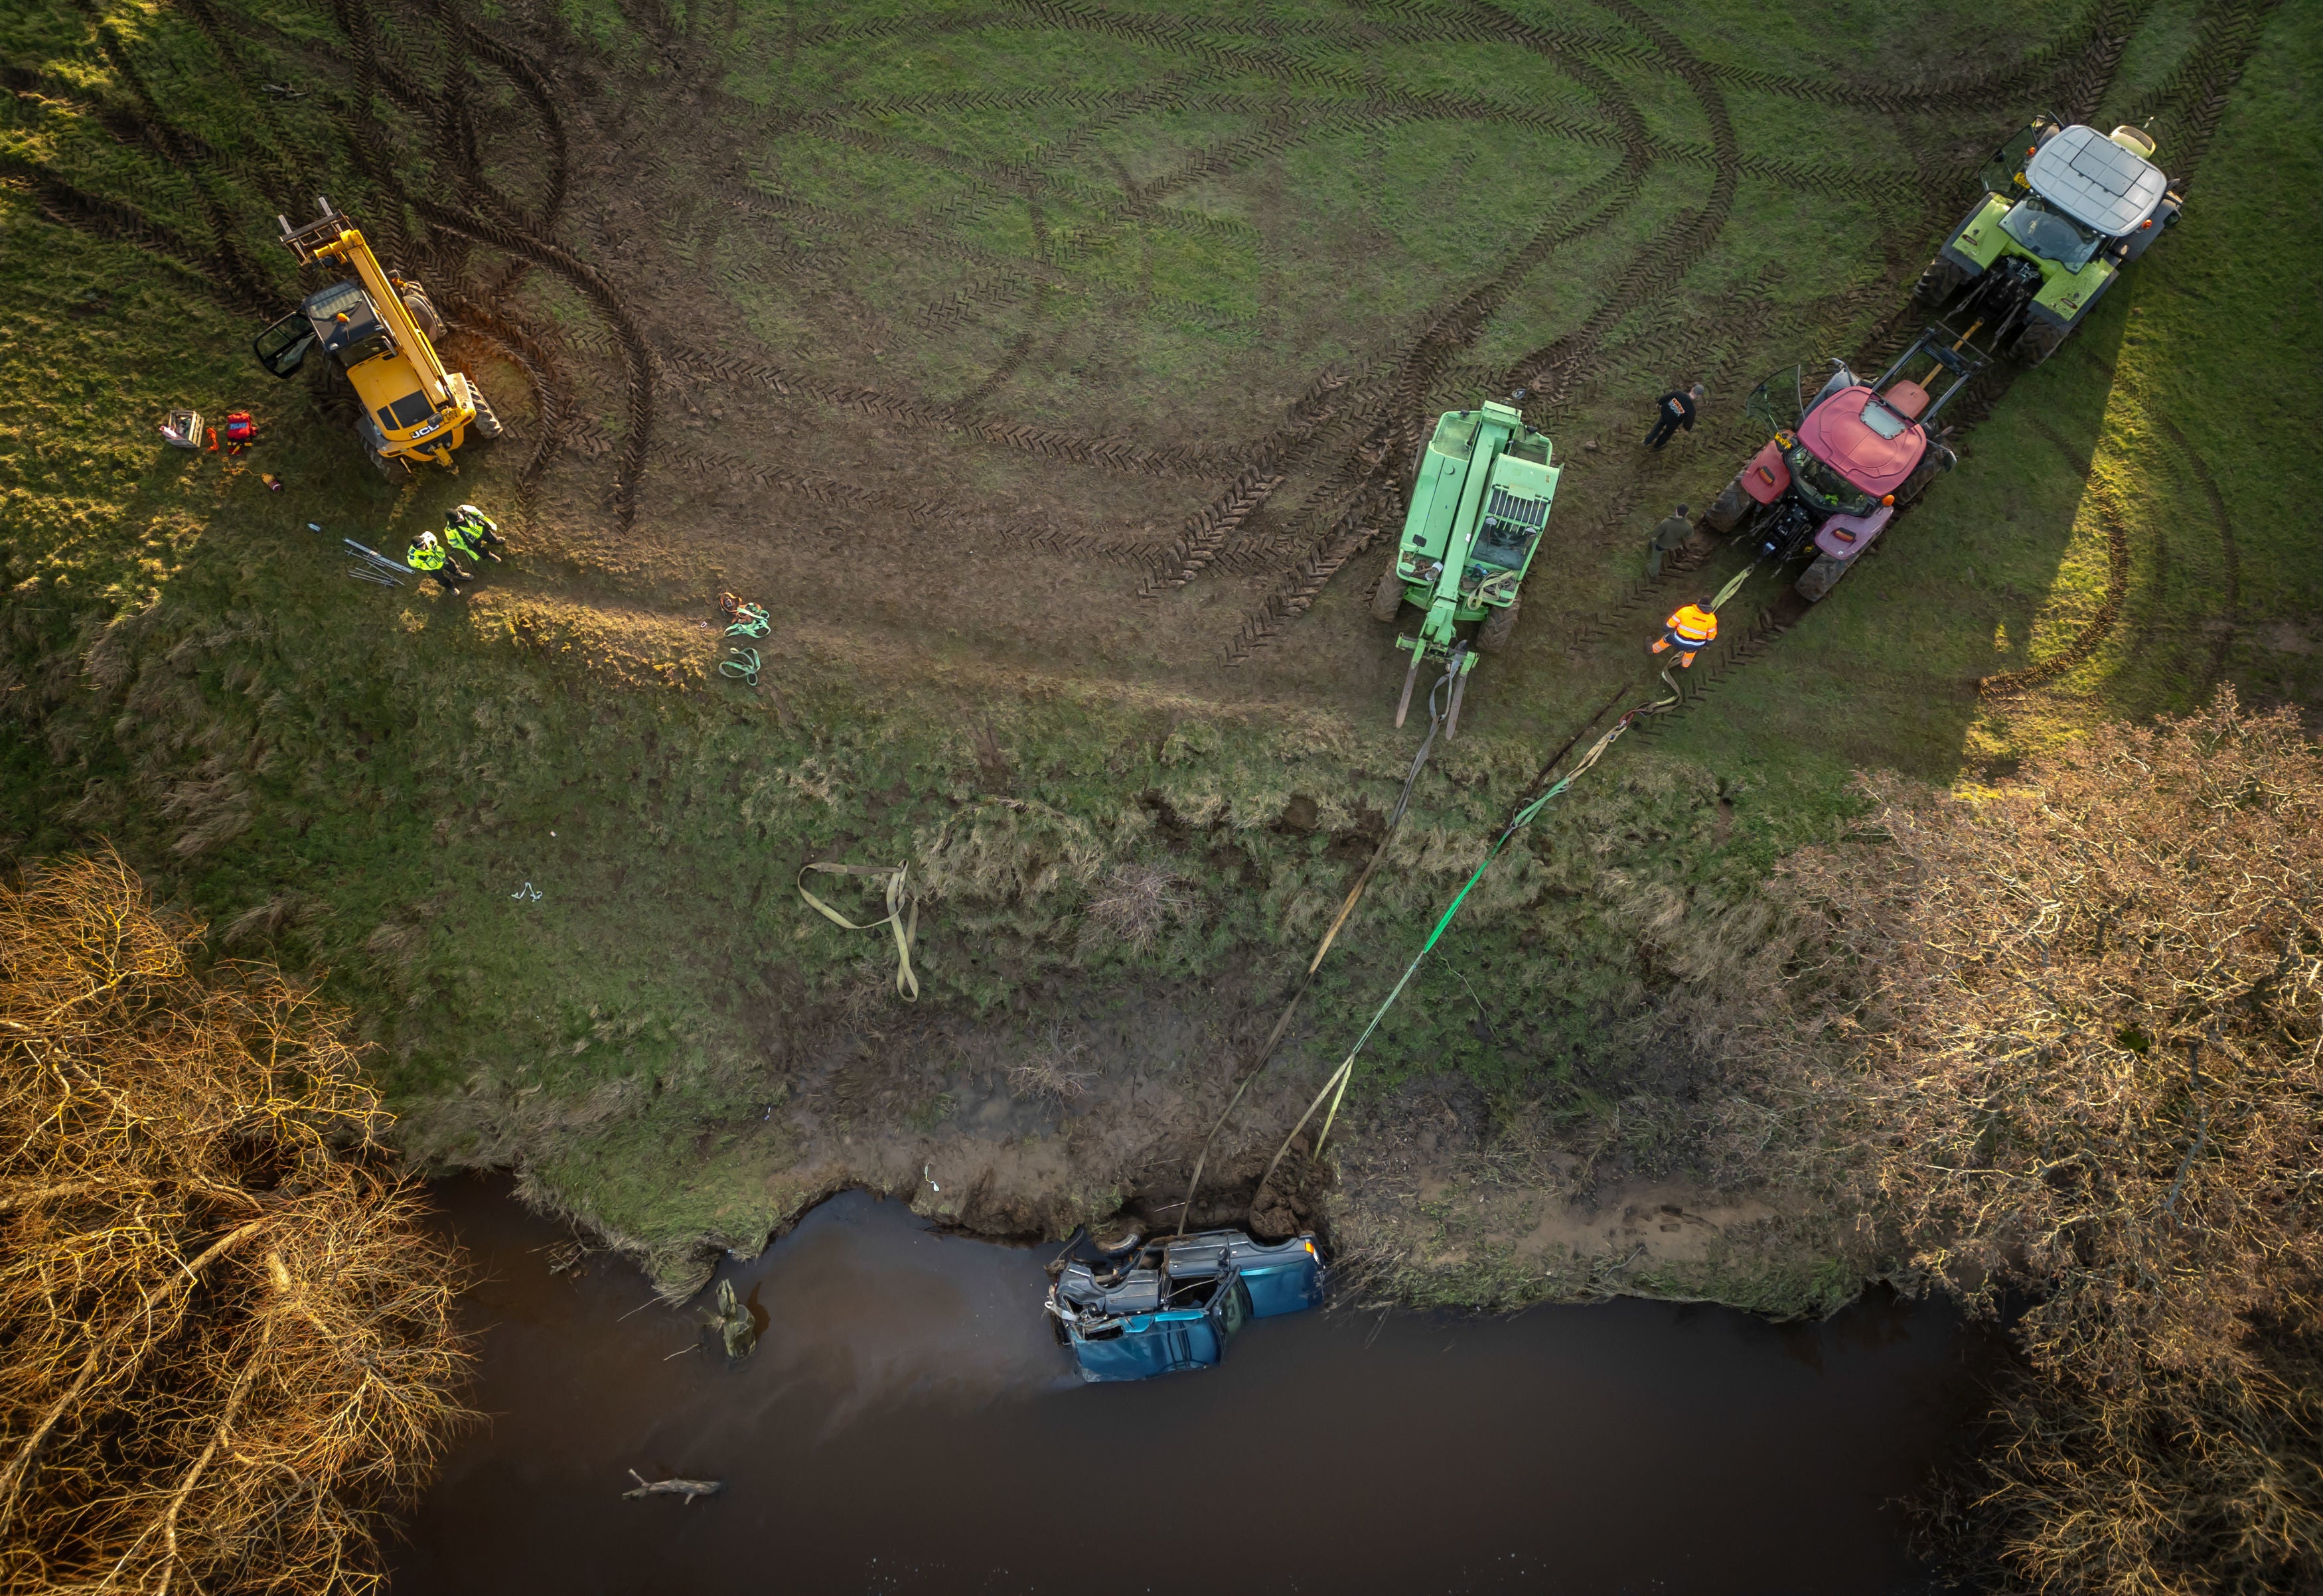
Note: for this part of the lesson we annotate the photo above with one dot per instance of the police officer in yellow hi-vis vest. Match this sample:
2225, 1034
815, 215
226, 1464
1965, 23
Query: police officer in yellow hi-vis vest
425, 554
473, 533
1692, 629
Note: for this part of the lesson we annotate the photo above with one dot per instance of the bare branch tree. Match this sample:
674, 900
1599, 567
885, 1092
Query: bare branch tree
2067, 1037
226, 1344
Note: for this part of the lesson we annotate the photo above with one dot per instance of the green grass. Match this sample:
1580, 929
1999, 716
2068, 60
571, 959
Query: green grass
188, 674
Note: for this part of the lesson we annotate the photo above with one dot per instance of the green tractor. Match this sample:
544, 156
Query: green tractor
1478, 507
2064, 210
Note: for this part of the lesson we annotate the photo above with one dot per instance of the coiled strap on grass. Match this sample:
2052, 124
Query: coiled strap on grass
903, 915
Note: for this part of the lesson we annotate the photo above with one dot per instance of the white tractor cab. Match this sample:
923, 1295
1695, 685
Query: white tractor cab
1839, 466
2065, 208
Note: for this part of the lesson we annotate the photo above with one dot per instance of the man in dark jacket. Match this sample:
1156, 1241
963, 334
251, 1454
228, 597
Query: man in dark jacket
1668, 538
1673, 410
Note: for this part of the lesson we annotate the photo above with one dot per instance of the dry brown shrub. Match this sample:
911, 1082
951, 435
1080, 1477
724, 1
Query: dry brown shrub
2067, 1037
1047, 1071
225, 1346
1132, 906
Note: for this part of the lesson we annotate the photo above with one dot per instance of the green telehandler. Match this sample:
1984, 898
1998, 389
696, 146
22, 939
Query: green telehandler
1479, 503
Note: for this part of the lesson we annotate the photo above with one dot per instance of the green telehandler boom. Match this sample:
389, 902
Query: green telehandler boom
1478, 507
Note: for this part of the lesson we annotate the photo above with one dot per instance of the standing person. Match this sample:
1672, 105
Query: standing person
1692, 629
1673, 410
1669, 536
484, 533
463, 539
429, 556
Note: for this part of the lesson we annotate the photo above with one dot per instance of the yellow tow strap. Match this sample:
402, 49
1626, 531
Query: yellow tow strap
903, 915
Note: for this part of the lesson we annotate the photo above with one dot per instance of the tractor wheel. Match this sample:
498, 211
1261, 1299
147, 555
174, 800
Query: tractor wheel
1387, 599
423, 311
1726, 510
1938, 284
394, 469
2038, 342
333, 395
1500, 626
1820, 577
488, 425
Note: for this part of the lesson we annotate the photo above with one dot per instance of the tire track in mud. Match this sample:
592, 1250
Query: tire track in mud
115, 222
1653, 271
551, 389
1372, 471
1265, 468
1123, 456
636, 357
365, 135
2008, 685
240, 274
2224, 523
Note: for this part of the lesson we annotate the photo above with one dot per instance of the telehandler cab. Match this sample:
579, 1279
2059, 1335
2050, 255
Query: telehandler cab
1478, 508
377, 327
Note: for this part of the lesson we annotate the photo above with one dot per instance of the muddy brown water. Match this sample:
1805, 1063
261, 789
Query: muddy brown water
908, 1425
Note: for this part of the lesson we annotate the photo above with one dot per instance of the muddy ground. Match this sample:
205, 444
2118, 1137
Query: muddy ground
1052, 375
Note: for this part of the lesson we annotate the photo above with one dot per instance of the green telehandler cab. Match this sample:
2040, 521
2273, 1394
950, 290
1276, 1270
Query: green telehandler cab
1479, 504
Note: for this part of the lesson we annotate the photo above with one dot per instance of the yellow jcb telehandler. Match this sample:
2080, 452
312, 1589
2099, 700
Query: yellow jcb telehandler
377, 326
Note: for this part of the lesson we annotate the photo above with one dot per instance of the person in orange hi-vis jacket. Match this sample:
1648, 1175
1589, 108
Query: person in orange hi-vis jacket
1691, 629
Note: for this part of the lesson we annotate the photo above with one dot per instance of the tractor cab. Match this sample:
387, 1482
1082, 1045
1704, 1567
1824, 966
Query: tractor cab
1837, 467
2065, 208
1147, 1308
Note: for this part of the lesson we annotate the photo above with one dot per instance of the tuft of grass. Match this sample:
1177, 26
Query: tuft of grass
1132, 907
1047, 1073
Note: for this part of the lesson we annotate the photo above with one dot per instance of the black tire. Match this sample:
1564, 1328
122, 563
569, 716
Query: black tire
1726, 510
487, 424
2038, 342
1387, 599
1938, 283
423, 311
1500, 626
1821, 576
333, 395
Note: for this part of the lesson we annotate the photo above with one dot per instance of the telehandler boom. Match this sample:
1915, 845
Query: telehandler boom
377, 326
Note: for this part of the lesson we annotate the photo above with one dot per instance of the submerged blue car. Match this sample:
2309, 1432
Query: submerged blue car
1160, 1306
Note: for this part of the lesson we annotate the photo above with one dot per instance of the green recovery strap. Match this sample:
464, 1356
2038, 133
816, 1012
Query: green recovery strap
1436, 714
1335, 1087
903, 915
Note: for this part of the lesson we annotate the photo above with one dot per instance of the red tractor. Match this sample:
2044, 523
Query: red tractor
1840, 466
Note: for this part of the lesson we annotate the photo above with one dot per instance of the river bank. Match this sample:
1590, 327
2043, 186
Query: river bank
908, 1425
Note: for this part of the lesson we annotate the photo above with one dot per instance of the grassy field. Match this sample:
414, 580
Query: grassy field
1049, 372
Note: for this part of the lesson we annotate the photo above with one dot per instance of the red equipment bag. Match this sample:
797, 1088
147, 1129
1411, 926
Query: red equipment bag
239, 427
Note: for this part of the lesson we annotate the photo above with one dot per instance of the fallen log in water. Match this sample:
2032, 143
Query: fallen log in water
688, 1488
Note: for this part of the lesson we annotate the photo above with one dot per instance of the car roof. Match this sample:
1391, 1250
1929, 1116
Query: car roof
1835, 432
2095, 181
